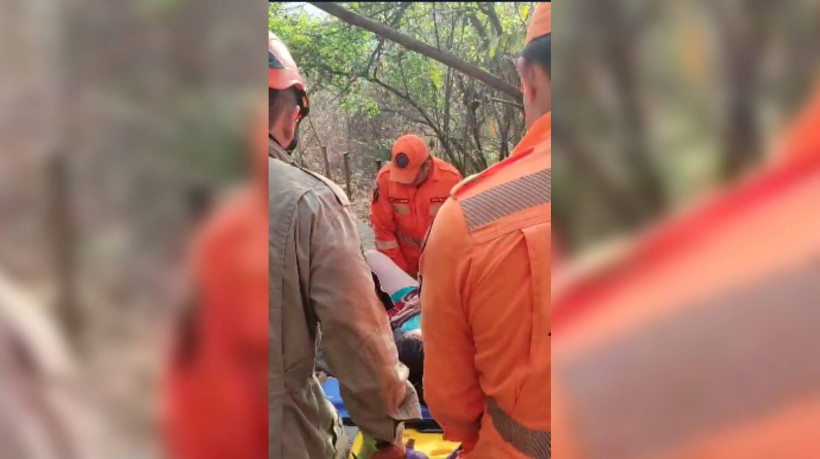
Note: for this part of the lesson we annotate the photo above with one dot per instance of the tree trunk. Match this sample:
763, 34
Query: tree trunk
63, 230
619, 54
617, 200
743, 33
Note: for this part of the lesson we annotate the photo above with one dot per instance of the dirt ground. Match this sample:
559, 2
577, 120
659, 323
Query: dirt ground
361, 209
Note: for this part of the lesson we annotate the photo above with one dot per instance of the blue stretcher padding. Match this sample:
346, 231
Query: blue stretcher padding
331, 388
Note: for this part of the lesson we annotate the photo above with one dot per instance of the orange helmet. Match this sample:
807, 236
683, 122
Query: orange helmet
541, 22
282, 70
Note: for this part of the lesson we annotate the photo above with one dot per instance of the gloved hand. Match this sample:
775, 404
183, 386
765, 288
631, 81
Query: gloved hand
455, 454
411, 452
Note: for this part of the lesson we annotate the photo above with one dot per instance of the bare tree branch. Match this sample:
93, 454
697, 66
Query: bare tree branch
479, 27
488, 8
619, 47
404, 115
394, 21
442, 136
504, 101
410, 43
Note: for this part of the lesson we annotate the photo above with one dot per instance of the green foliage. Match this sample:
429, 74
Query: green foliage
524, 13
358, 66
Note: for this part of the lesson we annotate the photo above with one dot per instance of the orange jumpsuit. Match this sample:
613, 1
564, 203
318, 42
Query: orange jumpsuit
485, 295
700, 341
217, 386
803, 137
401, 214
215, 394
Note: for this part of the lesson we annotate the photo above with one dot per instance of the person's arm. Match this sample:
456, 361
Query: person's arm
451, 387
384, 224
357, 340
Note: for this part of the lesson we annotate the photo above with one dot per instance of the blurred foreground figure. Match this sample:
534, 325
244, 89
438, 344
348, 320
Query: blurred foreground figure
409, 192
216, 394
700, 340
319, 277
40, 418
485, 290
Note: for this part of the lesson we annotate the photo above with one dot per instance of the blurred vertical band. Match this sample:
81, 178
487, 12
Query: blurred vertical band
119, 124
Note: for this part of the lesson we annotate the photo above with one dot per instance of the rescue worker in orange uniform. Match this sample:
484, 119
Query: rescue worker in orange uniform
409, 191
216, 394
485, 289
802, 139
317, 275
699, 340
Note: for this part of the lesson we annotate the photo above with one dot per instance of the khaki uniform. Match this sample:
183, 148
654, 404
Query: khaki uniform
317, 275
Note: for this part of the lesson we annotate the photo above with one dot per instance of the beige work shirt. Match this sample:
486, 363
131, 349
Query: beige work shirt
317, 275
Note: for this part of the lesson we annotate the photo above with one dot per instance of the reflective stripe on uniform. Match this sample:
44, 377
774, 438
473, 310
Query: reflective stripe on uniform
401, 209
533, 443
387, 245
508, 198
433, 210
409, 240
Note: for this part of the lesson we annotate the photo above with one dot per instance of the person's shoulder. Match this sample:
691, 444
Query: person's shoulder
472, 183
325, 188
383, 176
532, 171
384, 171
299, 181
505, 197
448, 227
447, 169
224, 216
456, 190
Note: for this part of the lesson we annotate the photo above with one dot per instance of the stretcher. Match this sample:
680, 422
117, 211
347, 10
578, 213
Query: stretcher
426, 433
431, 444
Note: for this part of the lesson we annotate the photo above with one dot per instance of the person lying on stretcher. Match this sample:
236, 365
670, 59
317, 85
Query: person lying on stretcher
400, 295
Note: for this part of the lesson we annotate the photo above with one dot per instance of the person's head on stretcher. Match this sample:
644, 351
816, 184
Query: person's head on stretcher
400, 295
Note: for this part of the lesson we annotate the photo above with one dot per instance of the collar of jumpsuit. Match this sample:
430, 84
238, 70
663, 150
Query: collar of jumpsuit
539, 132
275, 151
434, 174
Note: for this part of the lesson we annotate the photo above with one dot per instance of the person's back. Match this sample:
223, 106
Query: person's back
294, 326
317, 275
485, 288
704, 332
500, 244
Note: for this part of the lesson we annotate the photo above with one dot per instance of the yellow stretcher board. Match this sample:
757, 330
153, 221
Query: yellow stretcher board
431, 444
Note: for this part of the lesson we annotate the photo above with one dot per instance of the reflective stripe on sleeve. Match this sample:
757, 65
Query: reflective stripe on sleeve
409, 240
